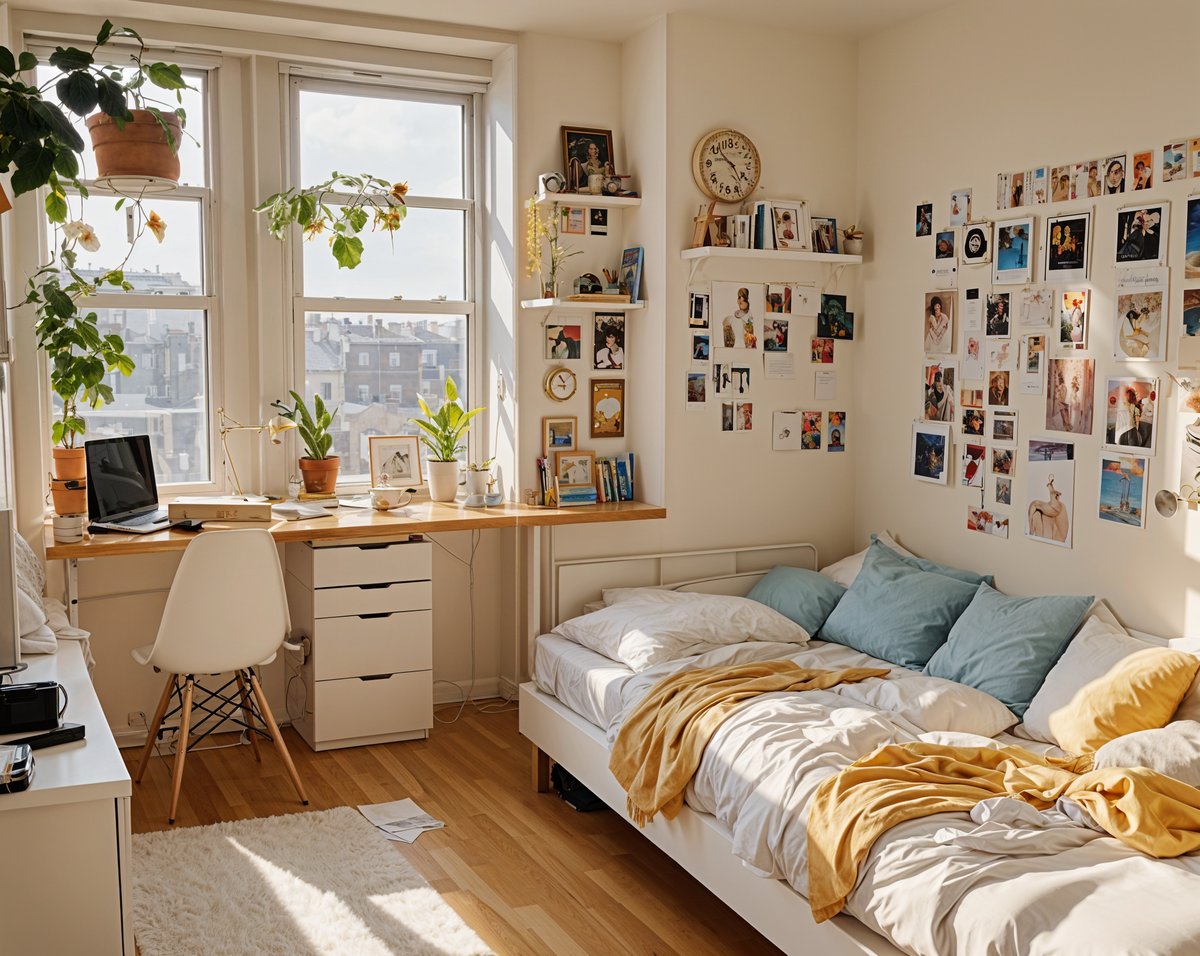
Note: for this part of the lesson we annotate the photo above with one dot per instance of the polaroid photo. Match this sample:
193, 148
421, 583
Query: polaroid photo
1123, 490
999, 315
1130, 420
960, 207
1012, 263
1141, 171
939, 381
1002, 491
1141, 332
1004, 427
1070, 391
1174, 162
698, 310
1067, 241
697, 391
1073, 313
977, 243
939, 323
736, 311
945, 244
1142, 235
924, 219
835, 432
973, 466
987, 522
929, 457
1050, 484
597, 221
701, 348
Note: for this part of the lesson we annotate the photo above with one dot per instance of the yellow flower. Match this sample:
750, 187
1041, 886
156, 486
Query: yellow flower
399, 191
388, 219
314, 228
156, 225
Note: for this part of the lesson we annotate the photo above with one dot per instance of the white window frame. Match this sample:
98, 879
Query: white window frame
295, 79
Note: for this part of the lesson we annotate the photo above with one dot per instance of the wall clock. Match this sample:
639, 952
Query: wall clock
560, 383
726, 165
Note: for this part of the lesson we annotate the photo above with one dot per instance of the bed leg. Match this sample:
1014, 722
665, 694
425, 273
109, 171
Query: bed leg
540, 766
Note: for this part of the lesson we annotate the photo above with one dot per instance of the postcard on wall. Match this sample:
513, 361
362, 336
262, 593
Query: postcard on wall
810, 431
939, 382
1004, 461
1188, 353
727, 416
945, 244
1000, 355
977, 243
1060, 183
939, 323
1070, 394
970, 395
1113, 169
1140, 332
1123, 489
1174, 162
806, 300
924, 219
778, 300
835, 433
701, 348
945, 272
698, 310
731, 373
1037, 186
973, 466
779, 365
1142, 235
1032, 364
1002, 491
999, 390
825, 385
786, 428
930, 452
775, 333
1067, 243
833, 321
1036, 309
736, 310
743, 416
1016, 191
608, 340
973, 423
1013, 260
1003, 191
999, 315
1004, 428
1191, 250
563, 342
1085, 180
1142, 170
572, 220
987, 522
598, 222
1194, 155
1130, 420
1050, 484
972, 367
1073, 316
973, 310
960, 206
822, 351
697, 391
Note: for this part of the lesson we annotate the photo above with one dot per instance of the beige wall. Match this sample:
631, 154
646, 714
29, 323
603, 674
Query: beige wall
950, 100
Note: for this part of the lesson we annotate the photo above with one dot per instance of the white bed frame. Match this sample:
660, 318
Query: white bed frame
697, 841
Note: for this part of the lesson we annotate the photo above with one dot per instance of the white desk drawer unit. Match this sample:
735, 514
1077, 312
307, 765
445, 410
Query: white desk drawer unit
367, 613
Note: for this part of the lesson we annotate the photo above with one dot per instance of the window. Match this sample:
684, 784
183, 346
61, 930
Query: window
167, 319
412, 296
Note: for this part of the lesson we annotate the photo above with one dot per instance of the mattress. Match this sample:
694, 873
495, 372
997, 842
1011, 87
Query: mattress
585, 681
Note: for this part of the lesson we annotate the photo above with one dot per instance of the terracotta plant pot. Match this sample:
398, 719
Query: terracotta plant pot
140, 149
69, 495
320, 474
443, 480
68, 462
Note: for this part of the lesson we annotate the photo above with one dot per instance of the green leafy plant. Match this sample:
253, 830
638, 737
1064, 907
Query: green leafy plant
445, 432
313, 426
372, 200
481, 466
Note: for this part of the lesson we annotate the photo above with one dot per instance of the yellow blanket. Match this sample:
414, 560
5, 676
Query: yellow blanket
659, 747
1145, 810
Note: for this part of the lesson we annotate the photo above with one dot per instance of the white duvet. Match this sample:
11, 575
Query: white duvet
1010, 881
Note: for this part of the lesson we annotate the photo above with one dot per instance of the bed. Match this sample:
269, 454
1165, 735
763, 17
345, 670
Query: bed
741, 831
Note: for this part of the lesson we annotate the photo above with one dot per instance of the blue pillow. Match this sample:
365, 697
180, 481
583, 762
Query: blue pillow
897, 611
1005, 646
805, 597
924, 564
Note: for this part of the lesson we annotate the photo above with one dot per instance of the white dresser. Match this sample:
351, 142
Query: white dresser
366, 675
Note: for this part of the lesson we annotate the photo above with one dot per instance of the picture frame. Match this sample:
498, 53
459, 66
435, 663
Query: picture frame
1012, 259
824, 234
572, 220
793, 231
563, 342
1142, 232
1068, 242
575, 468
579, 159
559, 433
977, 243
608, 341
608, 408
1130, 422
631, 272
929, 459
399, 456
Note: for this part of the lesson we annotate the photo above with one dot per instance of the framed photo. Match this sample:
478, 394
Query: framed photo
977, 243
562, 342
1012, 263
1067, 239
1073, 320
608, 339
608, 408
558, 434
572, 220
575, 469
824, 234
792, 228
587, 152
1050, 480
939, 323
930, 458
1142, 235
397, 456
1070, 392
631, 272
1123, 490
1130, 414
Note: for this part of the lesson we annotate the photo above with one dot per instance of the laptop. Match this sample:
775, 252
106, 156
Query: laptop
122, 493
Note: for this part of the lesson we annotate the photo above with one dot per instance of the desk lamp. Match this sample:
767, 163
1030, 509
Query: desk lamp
275, 427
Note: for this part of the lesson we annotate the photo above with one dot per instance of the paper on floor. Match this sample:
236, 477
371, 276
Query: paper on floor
402, 820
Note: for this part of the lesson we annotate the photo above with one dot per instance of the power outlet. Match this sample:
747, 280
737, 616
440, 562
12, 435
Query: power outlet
136, 718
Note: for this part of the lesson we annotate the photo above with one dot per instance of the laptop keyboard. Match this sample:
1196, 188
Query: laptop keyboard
151, 517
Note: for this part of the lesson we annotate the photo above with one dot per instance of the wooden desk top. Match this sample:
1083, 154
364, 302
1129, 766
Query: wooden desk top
417, 518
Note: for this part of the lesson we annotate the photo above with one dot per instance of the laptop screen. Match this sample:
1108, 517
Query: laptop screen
120, 478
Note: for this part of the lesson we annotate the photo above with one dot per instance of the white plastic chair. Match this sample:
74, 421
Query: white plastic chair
226, 611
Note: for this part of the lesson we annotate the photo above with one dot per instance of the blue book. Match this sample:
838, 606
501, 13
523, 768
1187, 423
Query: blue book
622, 481
632, 492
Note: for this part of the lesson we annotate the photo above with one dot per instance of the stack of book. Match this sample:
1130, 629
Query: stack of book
614, 477
614, 482
571, 496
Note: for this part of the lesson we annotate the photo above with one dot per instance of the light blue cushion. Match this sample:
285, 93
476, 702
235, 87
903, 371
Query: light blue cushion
959, 574
1005, 646
805, 597
896, 611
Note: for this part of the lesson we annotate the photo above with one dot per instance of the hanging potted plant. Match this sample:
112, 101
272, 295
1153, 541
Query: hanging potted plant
318, 468
444, 436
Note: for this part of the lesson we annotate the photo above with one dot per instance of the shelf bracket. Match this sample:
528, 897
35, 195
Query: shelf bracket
694, 266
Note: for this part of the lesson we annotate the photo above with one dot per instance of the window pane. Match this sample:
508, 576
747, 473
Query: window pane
172, 267
348, 361
166, 397
192, 164
395, 139
423, 260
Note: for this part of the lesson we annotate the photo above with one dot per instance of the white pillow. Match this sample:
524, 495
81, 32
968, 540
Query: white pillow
933, 703
845, 571
640, 634
661, 595
1173, 750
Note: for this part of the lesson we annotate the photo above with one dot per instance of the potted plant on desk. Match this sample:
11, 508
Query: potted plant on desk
444, 436
318, 468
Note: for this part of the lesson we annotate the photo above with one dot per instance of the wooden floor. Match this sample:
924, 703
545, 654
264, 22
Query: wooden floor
528, 873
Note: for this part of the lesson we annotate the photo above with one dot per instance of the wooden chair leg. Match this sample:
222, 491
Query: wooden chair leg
541, 770
248, 714
185, 723
152, 730
273, 728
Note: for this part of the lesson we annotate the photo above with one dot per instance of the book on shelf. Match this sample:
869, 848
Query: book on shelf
614, 482
218, 509
617, 297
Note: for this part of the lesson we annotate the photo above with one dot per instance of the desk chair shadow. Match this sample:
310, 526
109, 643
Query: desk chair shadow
226, 611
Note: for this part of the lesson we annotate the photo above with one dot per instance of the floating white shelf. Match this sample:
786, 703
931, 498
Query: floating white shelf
590, 200
774, 255
582, 306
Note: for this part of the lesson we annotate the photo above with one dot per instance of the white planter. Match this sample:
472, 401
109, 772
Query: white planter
443, 480
852, 247
477, 482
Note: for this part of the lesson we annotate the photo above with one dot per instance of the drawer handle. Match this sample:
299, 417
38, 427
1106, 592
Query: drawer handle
377, 677
374, 587
367, 617
373, 547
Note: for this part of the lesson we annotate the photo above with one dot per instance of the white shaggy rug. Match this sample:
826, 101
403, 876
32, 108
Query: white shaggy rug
297, 885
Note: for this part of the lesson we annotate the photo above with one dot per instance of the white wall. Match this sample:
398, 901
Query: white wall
950, 100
